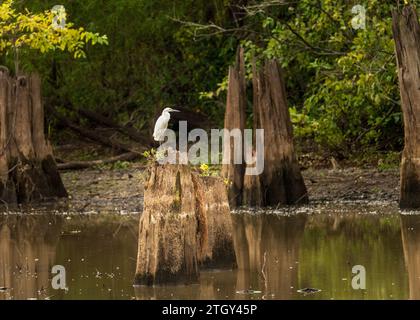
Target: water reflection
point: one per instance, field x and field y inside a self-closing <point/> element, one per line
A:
<point x="27" y="253"/>
<point x="277" y="255"/>
<point x="98" y="253"/>
<point x="410" y="230"/>
<point x="334" y="243"/>
<point x="267" y="248"/>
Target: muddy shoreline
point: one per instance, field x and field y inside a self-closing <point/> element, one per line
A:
<point x="121" y="190"/>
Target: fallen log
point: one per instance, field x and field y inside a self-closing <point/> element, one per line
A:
<point x="185" y="224"/>
<point x="406" y="31"/>
<point x="98" y="118"/>
<point x="78" y="165"/>
<point x="92" y="136"/>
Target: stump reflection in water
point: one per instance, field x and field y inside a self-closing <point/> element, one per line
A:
<point x="267" y="248"/>
<point x="27" y="253"/>
<point x="410" y="232"/>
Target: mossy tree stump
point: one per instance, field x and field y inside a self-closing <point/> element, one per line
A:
<point x="185" y="224"/>
<point x="27" y="168"/>
<point x="406" y="31"/>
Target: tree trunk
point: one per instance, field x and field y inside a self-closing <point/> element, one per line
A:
<point x="406" y="32"/>
<point x="185" y="223"/>
<point x="27" y="168"/>
<point x="281" y="181"/>
<point x="235" y="119"/>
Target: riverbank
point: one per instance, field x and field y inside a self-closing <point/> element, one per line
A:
<point x="121" y="190"/>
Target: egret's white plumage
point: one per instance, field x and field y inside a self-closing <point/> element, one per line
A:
<point x="162" y="124"/>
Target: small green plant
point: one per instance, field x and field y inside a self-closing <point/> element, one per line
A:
<point x="153" y="155"/>
<point x="227" y="182"/>
<point x="205" y="170"/>
<point x="391" y="160"/>
<point x="149" y="155"/>
<point x="121" y="165"/>
<point x="209" y="171"/>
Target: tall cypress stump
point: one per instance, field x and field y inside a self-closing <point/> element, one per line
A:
<point x="281" y="182"/>
<point x="27" y="168"/>
<point x="406" y="32"/>
<point x="185" y="225"/>
<point x="235" y="120"/>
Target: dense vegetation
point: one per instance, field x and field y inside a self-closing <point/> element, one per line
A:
<point x="342" y="82"/>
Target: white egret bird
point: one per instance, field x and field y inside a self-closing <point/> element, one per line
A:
<point x="162" y="124"/>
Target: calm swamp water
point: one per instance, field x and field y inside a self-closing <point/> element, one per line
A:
<point x="278" y="252"/>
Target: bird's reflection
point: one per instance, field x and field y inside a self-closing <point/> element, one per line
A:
<point x="27" y="253"/>
<point x="267" y="248"/>
<point x="410" y="230"/>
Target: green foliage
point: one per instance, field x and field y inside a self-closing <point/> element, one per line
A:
<point x="346" y="78"/>
<point x="152" y="59"/>
<point x="342" y="83"/>
<point x="119" y="165"/>
<point x="391" y="160"/>
<point x="27" y="30"/>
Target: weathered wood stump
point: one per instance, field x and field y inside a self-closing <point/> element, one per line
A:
<point x="281" y="181"/>
<point x="27" y="168"/>
<point x="215" y="225"/>
<point x="185" y="224"/>
<point x="406" y="31"/>
<point x="235" y="120"/>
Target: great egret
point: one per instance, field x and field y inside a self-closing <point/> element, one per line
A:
<point x="162" y="124"/>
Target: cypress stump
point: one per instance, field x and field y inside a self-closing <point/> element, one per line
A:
<point x="28" y="171"/>
<point x="281" y="181"/>
<point x="215" y="247"/>
<point x="235" y="120"/>
<point x="185" y="224"/>
<point x="406" y="31"/>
